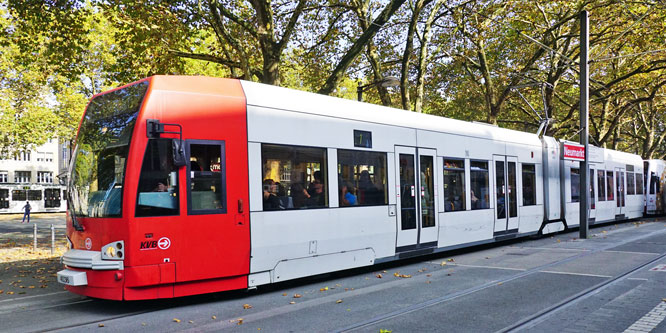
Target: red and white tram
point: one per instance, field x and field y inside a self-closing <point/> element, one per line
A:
<point x="189" y="185"/>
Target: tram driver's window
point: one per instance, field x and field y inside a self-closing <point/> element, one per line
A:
<point x="293" y="177"/>
<point x="207" y="193"/>
<point x="454" y="185"/>
<point x="478" y="174"/>
<point x="157" y="190"/>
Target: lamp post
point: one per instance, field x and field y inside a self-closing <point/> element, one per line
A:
<point x="389" y="81"/>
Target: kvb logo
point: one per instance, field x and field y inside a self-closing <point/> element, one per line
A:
<point x="163" y="244"/>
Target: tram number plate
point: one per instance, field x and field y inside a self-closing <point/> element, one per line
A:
<point x="64" y="279"/>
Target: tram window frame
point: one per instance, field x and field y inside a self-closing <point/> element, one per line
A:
<point x="601" y="185"/>
<point x="631" y="183"/>
<point x="454" y="170"/>
<point x="222" y="195"/>
<point x="640" y="186"/>
<point x="303" y="174"/>
<point x="155" y="177"/>
<point x="482" y="199"/>
<point x="531" y="189"/>
<point x="34" y="195"/>
<point x="575" y="188"/>
<point x="367" y="192"/>
<point x="19" y="195"/>
<point x="610" y="186"/>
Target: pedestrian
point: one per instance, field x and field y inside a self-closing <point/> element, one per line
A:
<point x="26" y="210"/>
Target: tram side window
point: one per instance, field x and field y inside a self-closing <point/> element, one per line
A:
<point x="654" y="183"/>
<point x="631" y="184"/>
<point x="51" y="197"/>
<point x="207" y="193"/>
<point x="293" y="177"/>
<point x="601" y="196"/>
<point x="529" y="185"/>
<point x="157" y="191"/>
<point x="34" y="195"/>
<point x="4" y="198"/>
<point x="19" y="195"/>
<point x="454" y="185"/>
<point x="610" y="188"/>
<point x="480" y="192"/>
<point x="639" y="184"/>
<point x="362" y="178"/>
<point x="575" y="185"/>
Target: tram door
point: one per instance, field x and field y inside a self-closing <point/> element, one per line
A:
<point x="416" y="198"/>
<point x="591" y="199"/>
<point x="620" y="192"/>
<point x="506" y="194"/>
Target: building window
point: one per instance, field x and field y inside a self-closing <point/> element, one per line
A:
<point x="575" y="185"/>
<point x="454" y="185"/>
<point x="362" y="177"/>
<point x="479" y="183"/>
<point x="41" y="157"/>
<point x="529" y="185"/>
<point x="609" y="186"/>
<point x="45" y="177"/>
<point x="21" y="176"/>
<point x="49" y="157"/>
<point x="639" y="184"/>
<point x="293" y="177"/>
<point x="4" y="177"/>
<point x="601" y="185"/>
<point x="22" y="156"/>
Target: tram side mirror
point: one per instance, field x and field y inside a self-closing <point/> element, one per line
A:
<point x="173" y="178"/>
<point x="178" y="153"/>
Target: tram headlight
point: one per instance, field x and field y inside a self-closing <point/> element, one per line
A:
<point x="113" y="251"/>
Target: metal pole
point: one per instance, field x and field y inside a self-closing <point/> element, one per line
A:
<point x="359" y="93"/>
<point x="52" y="239"/>
<point x="34" y="237"/>
<point x="584" y="133"/>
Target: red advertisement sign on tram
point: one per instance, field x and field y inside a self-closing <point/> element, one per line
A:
<point x="573" y="152"/>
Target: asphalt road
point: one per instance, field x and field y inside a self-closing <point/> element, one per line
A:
<point x="551" y="284"/>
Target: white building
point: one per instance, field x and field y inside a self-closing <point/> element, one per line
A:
<point x="33" y="175"/>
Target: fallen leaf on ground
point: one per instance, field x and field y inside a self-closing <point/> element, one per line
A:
<point x="292" y="302"/>
<point x="338" y="301"/>
<point x="247" y="306"/>
<point x="298" y="295"/>
<point x="379" y="276"/>
<point x="214" y="317"/>
<point x="284" y="294"/>
<point x="100" y="325"/>
<point x="323" y="289"/>
<point x="443" y="263"/>
<point x="191" y="322"/>
<point x="176" y="320"/>
<point x="450" y="260"/>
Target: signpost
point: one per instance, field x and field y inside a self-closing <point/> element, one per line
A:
<point x="584" y="131"/>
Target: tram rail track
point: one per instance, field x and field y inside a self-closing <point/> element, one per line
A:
<point x="523" y="323"/>
<point x="531" y="319"/>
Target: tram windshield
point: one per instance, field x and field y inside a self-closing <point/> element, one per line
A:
<point x="98" y="170"/>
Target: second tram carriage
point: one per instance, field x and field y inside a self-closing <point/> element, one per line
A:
<point x="188" y="185"/>
<point x="43" y="198"/>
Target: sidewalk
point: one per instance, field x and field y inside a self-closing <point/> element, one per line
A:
<point x="24" y="271"/>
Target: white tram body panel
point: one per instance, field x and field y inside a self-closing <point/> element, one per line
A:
<point x="655" y="179"/>
<point x="288" y="244"/>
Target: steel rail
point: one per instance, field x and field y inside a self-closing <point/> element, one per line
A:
<point x="493" y="283"/>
